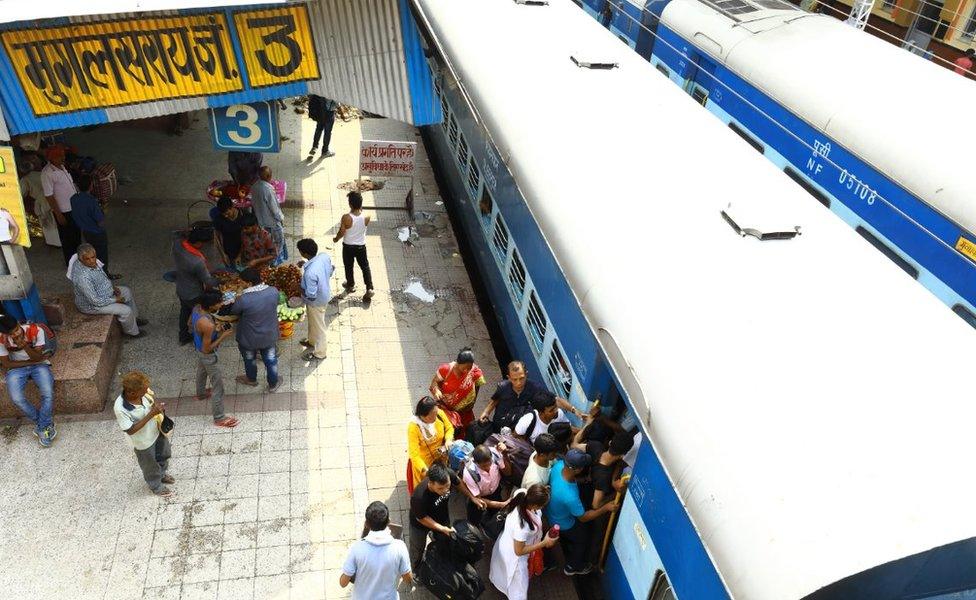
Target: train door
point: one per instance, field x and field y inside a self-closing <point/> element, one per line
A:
<point x="699" y="79"/>
<point x="650" y="17"/>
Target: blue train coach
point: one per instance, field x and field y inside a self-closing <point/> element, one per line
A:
<point x="846" y="115"/>
<point x="804" y="406"/>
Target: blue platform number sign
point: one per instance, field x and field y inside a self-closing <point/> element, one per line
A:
<point x="248" y="127"/>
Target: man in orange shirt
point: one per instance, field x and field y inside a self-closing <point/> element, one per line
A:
<point x="965" y="62"/>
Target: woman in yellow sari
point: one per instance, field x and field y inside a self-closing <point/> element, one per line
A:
<point x="428" y="436"/>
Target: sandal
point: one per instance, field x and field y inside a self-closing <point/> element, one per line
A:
<point x="243" y="380"/>
<point x="165" y="493"/>
<point x="168" y="479"/>
<point x="228" y="422"/>
<point x="306" y="343"/>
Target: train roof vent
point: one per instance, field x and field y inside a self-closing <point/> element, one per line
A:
<point x="764" y="229"/>
<point x="532" y="2"/>
<point x="593" y="64"/>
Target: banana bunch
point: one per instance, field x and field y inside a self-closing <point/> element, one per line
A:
<point x="285" y="313"/>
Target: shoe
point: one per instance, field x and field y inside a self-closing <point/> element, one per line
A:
<point x="164" y="492"/>
<point x="274" y="388"/>
<point x="141" y="334"/>
<point x="43" y="438"/>
<point x="328" y="154"/>
<point x="309" y="356"/>
<point x="311" y="155"/>
<point x="306" y="343"/>
<point x="349" y="287"/>
<point x="142" y="322"/>
<point x="243" y="380"/>
<point x="228" y="422"/>
<point x="52" y="432"/>
<point x="368" y="296"/>
<point x="168" y="479"/>
<point x="584" y="571"/>
<point x="114" y="276"/>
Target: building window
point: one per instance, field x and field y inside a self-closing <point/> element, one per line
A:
<point x="558" y="371"/>
<point x="485" y="207"/>
<point x="499" y="239"/>
<point x="474" y="177"/>
<point x="516" y="277"/>
<point x="970" y="30"/>
<point x="536" y="320"/>
<point x="462" y="152"/>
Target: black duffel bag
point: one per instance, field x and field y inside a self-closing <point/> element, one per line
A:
<point x="467" y="543"/>
<point x="478" y="432"/>
<point x="447" y="578"/>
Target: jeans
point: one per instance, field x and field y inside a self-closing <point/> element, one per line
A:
<point x="418" y="543"/>
<point x="270" y="358"/>
<point x="127" y="313"/>
<point x="352" y="253"/>
<point x="16" y="382"/>
<point x="153" y="461"/>
<point x="100" y="242"/>
<point x="186" y="309"/>
<point x="208" y="368"/>
<point x="70" y="237"/>
<point x="278" y="237"/>
<point x="324" y="129"/>
<point x="575" y="543"/>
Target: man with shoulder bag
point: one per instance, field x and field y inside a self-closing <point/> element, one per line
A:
<point x="148" y="429"/>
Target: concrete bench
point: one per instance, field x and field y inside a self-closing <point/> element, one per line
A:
<point x="83" y="367"/>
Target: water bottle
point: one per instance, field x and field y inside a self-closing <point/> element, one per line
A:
<point x="554" y="532"/>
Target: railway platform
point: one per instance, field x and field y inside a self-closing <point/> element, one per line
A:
<point x="269" y="509"/>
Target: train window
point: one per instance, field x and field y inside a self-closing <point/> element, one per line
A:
<point x="447" y="113"/>
<point x="536" y="320"/>
<point x="462" y="152"/>
<point x="485" y="207"/>
<point x="700" y="95"/>
<point x="452" y="131"/>
<point x="894" y="256"/>
<point x="744" y="135"/>
<point x="661" y="590"/>
<point x="474" y="176"/>
<point x="663" y="70"/>
<point x="558" y="371"/>
<point x="809" y="187"/>
<point x="516" y="277"/>
<point x="966" y="314"/>
<point x="499" y="239"/>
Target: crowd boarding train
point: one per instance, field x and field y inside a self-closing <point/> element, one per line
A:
<point x="805" y="408"/>
<point x="848" y="116"/>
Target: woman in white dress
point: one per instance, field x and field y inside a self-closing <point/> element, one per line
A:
<point x="521" y="537"/>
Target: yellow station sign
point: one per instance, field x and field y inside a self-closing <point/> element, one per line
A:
<point x="11" y="199"/>
<point x="128" y="61"/>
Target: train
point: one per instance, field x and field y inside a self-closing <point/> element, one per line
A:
<point x="803" y="406"/>
<point x="843" y="113"/>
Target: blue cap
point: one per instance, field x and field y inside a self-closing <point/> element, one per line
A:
<point x="577" y="459"/>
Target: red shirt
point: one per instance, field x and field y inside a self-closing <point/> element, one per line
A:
<point x="256" y="245"/>
<point x="963" y="64"/>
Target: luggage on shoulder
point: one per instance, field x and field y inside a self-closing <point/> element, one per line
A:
<point x="448" y="578"/>
<point x="518" y="452"/>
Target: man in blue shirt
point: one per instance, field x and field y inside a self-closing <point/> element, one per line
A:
<point x="87" y="214"/>
<point x="566" y="510"/>
<point x="316" y="292"/>
<point x="376" y="563"/>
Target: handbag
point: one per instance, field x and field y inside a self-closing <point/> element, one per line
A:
<point x="165" y="424"/>
<point x="536" y="563"/>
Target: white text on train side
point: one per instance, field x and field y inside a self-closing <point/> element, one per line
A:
<point x="860" y="189"/>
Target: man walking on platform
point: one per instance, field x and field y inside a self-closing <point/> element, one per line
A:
<point x="58" y="189"/>
<point x="322" y="111"/>
<point x="352" y="227"/>
<point x="264" y="203"/>
<point x="316" y="292"/>
<point x="377" y="562"/>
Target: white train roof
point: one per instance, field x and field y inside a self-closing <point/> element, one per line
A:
<point x="906" y="116"/>
<point x="810" y="402"/>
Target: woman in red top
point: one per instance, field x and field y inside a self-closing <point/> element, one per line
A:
<point x="455" y="387"/>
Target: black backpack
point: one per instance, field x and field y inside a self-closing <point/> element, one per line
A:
<point x="467" y="542"/>
<point x="447" y="577"/>
<point x="478" y="432"/>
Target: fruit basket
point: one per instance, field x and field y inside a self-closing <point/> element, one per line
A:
<point x="241" y="194"/>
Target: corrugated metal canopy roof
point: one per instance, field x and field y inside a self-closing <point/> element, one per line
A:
<point x="27" y="10"/>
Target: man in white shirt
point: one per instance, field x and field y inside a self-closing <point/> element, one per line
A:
<point x="544" y="413"/>
<point x="139" y="416"/>
<point x="58" y="188"/>
<point x="376" y="563"/>
<point x="23" y="358"/>
<point x="537" y="471"/>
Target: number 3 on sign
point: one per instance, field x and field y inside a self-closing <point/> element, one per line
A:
<point x="248" y="122"/>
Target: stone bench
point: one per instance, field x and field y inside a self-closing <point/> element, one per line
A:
<point x="83" y="366"/>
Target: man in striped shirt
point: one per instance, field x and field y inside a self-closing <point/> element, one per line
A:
<point x="95" y="294"/>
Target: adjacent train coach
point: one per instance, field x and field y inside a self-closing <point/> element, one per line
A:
<point x="846" y="115"/>
<point x="805" y="407"/>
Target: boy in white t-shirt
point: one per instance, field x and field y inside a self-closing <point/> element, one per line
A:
<point x="22" y="357"/>
<point x="537" y="471"/>
<point x="544" y="413"/>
